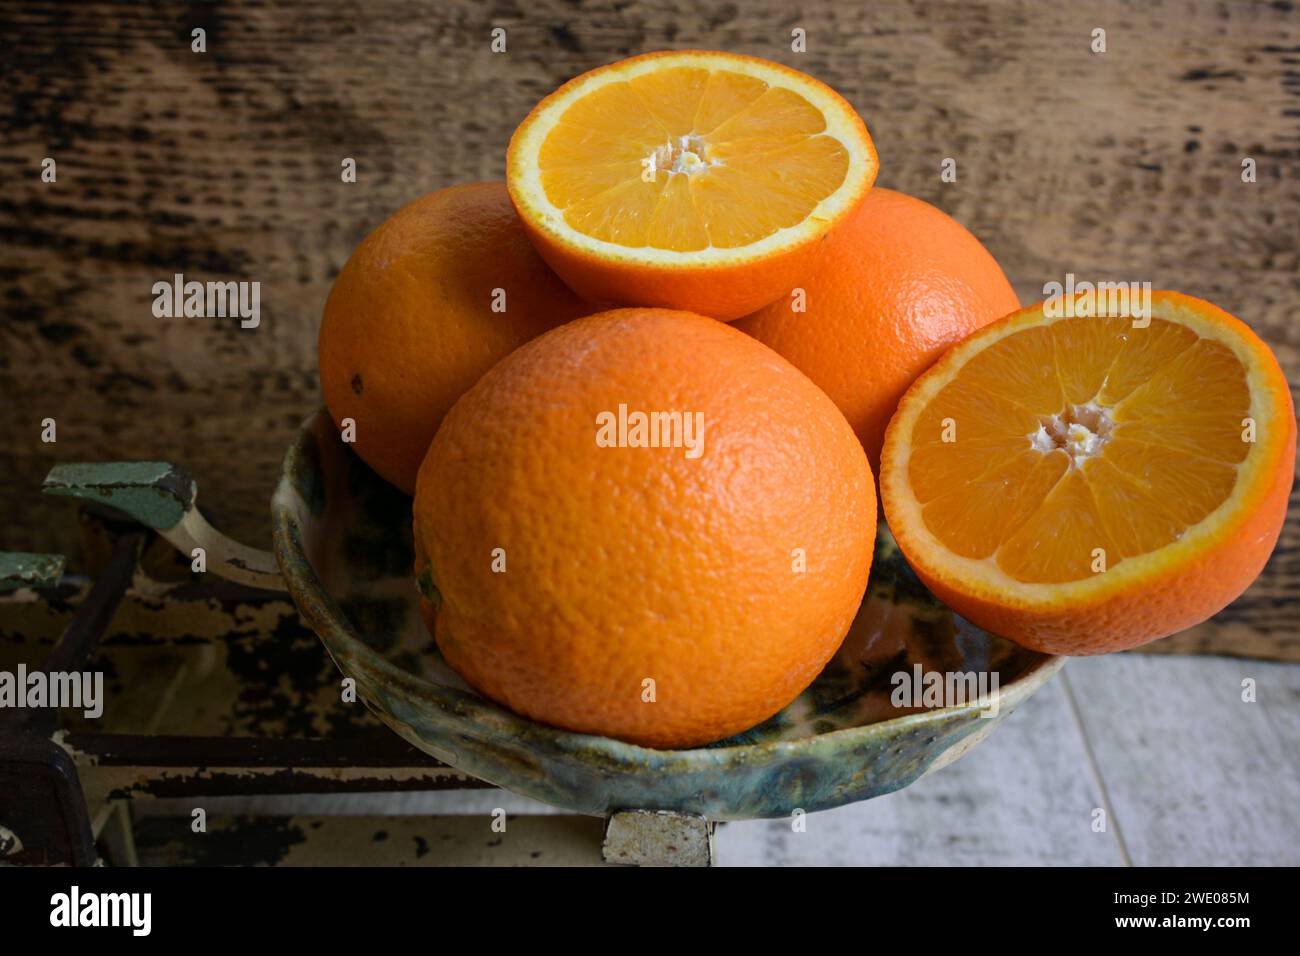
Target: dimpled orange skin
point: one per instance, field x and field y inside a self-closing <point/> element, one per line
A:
<point x="409" y="324"/>
<point x="897" y="284"/>
<point x="628" y="564"/>
<point x="724" y="294"/>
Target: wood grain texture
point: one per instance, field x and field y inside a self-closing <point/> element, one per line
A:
<point x="371" y="841"/>
<point x="225" y="166"/>
<point x="1196" y="776"/>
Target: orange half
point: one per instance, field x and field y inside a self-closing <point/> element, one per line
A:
<point x="1087" y="484"/>
<point x="692" y="180"/>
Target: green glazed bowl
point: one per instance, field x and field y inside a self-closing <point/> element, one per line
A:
<point x="343" y="543"/>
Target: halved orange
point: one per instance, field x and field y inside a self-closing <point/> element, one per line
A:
<point x="691" y="180"/>
<point x="1082" y="485"/>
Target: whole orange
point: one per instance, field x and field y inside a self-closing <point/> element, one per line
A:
<point x="668" y="584"/>
<point x="425" y="305"/>
<point x="897" y="285"/>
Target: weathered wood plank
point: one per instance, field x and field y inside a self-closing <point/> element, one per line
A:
<point x="225" y="165"/>
<point x="1196" y="776"/>
<point x="370" y="841"/>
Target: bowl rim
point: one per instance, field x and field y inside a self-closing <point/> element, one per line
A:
<point x="466" y="708"/>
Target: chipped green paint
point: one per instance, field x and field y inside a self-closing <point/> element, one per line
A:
<point x="19" y="569"/>
<point x="155" y="493"/>
<point x="842" y="740"/>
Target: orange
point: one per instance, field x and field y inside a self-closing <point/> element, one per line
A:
<point x="897" y="285"/>
<point x="691" y="180"/>
<point x="670" y="595"/>
<point x="426" y="304"/>
<point x="1083" y="485"/>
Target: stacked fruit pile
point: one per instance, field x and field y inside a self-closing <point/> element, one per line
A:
<point x="652" y="524"/>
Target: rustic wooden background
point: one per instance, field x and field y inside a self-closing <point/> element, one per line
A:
<point x="225" y="165"/>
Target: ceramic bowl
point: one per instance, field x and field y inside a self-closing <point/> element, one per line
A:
<point x="343" y="543"/>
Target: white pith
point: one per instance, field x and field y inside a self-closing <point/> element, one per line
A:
<point x="685" y="157"/>
<point x="1081" y="431"/>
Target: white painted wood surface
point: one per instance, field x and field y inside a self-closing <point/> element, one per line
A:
<point x="1024" y="796"/>
<point x="1189" y="775"/>
<point x="1196" y="775"/>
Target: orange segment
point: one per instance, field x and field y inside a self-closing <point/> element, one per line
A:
<point x="790" y="180"/>
<point x="1056" y="541"/>
<point x="676" y="221"/>
<point x="1194" y="404"/>
<point x="965" y="412"/>
<point x="1021" y="370"/>
<point x="727" y="94"/>
<point x="611" y="125"/>
<point x="580" y="183"/>
<point x="1142" y="356"/>
<point x="1191" y="487"/>
<point x="1136" y="520"/>
<point x="620" y="214"/>
<point x="777" y="119"/>
<point x="672" y="97"/>
<point x="975" y="513"/>
<point x="689" y="179"/>
<point x="1050" y="472"/>
<point x="1083" y="355"/>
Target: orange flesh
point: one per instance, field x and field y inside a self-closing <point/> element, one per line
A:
<point x="734" y="160"/>
<point x="1083" y="434"/>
